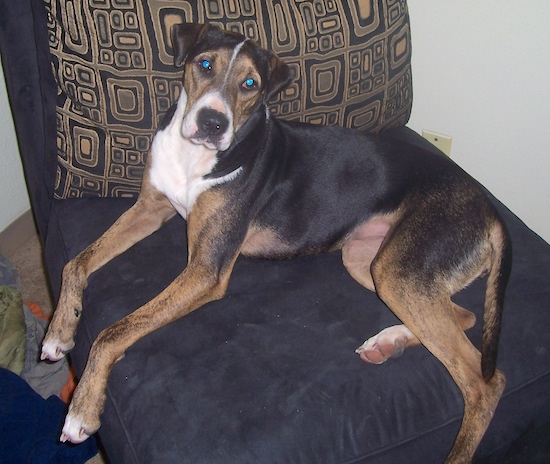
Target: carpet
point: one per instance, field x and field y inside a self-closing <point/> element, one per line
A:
<point x="35" y="288"/>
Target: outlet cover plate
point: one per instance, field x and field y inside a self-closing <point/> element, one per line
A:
<point x="441" y="141"/>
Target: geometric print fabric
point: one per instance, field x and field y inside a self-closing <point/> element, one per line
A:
<point x="113" y="62"/>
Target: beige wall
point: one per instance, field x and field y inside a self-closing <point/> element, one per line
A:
<point x="481" y="73"/>
<point x="14" y="200"/>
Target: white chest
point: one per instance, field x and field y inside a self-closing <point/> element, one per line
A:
<point x="178" y="166"/>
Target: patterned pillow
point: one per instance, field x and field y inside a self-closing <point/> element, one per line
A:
<point x="113" y="62"/>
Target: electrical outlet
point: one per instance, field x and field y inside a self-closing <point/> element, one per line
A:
<point x="443" y="142"/>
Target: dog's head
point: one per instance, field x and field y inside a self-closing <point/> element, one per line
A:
<point x="225" y="77"/>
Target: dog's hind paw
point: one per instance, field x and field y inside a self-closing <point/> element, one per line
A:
<point x="389" y="343"/>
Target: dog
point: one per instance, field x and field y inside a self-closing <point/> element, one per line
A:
<point x="411" y="225"/>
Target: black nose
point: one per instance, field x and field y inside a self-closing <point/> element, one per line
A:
<point x="212" y="122"/>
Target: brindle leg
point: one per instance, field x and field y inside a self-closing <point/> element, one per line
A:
<point x="435" y="324"/>
<point x="439" y="325"/>
<point x="212" y="254"/>
<point x="197" y="285"/>
<point x="147" y="215"/>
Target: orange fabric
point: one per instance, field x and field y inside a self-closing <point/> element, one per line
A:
<point x="68" y="389"/>
<point x="37" y="311"/>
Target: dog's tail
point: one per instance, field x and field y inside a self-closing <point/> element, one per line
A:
<point x="499" y="273"/>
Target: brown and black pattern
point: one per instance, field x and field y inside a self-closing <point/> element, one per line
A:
<point x="113" y="62"/>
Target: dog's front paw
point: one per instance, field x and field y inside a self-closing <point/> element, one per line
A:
<point x="389" y="343"/>
<point x="59" y="339"/>
<point x="83" y="420"/>
<point x="54" y="350"/>
<point x="76" y="430"/>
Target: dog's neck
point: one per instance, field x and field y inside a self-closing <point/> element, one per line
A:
<point x="179" y="167"/>
<point x="244" y="144"/>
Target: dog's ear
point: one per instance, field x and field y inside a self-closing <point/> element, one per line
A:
<point x="279" y="78"/>
<point x="184" y="35"/>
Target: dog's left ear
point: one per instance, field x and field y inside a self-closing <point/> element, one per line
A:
<point x="279" y="78"/>
<point x="183" y="37"/>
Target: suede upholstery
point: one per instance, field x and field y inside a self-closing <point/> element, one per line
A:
<point x="268" y="374"/>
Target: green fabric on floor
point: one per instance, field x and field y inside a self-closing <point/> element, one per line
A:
<point x="12" y="330"/>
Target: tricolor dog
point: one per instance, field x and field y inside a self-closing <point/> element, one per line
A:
<point x="411" y="225"/>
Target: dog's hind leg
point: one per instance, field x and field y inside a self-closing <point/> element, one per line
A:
<point x="357" y="255"/>
<point x="427" y="311"/>
<point x="149" y="212"/>
<point x="392" y="341"/>
<point x="436" y="326"/>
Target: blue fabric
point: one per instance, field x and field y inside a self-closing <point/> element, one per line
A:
<point x="30" y="427"/>
<point x="269" y="375"/>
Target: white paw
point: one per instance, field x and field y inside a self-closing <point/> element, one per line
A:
<point x="74" y="430"/>
<point x="53" y="350"/>
<point x="389" y="343"/>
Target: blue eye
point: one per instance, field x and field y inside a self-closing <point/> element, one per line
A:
<point x="206" y="65"/>
<point x="249" y="83"/>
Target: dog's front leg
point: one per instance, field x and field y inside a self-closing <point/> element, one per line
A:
<point x="213" y="249"/>
<point x="149" y="212"/>
<point x="194" y="287"/>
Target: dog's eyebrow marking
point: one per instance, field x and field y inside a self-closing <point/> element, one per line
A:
<point x="236" y="51"/>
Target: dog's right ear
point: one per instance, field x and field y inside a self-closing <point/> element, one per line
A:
<point x="184" y="35"/>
